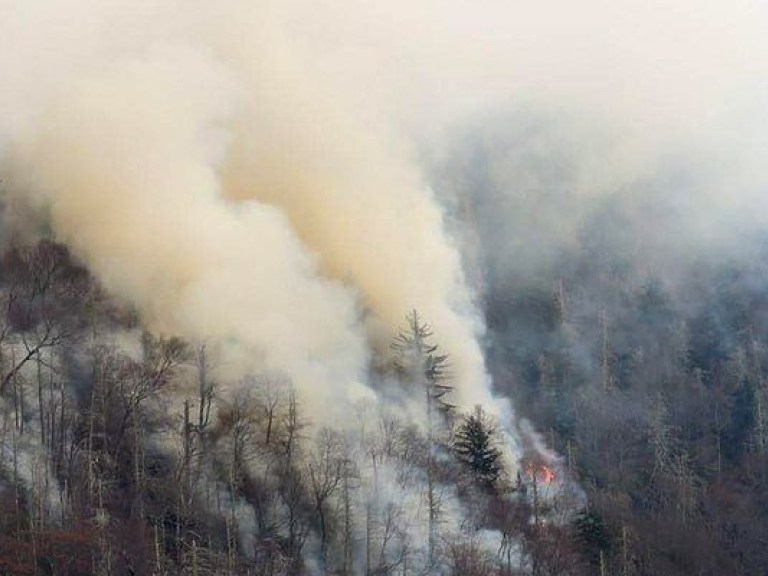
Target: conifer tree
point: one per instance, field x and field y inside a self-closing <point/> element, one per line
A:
<point x="474" y="444"/>
<point x="418" y="362"/>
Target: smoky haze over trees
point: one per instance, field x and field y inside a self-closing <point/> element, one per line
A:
<point x="123" y="453"/>
<point x="634" y="338"/>
<point x="346" y="287"/>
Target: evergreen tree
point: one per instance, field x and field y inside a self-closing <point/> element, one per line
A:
<point x="418" y="362"/>
<point x="474" y="444"/>
<point x="593" y="535"/>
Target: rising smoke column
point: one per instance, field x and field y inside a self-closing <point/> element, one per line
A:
<point x="131" y="186"/>
<point x="247" y="171"/>
<point x="207" y="176"/>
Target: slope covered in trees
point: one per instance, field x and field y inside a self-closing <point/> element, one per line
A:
<point x="126" y="453"/>
<point x="654" y="388"/>
<point x="627" y="317"/>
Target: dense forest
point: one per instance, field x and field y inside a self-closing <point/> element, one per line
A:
<point x="636" y="346"/>
<point x="122" y="454"/>
<point x="634" y="335"/>
<point x="658" y="400"/>
<point x="343" y="288"/>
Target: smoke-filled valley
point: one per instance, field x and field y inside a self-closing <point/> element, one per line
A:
<point x="421" y="288"/>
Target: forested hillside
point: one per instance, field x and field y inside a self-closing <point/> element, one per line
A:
<point x="122" y="453"/>
<point x="630" y="324"/>
<point x="645" y="366"/>
<point x="344" y="288"/>
<point x="658" y="399"/>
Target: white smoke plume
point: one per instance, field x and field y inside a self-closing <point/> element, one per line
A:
<point x="249" y="173"/>
<point x="139" y="128"/>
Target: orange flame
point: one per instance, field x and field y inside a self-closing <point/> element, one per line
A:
<point x="541" y="473"/>
<point x="548" y="474"/>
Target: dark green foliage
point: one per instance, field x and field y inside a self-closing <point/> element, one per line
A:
<point x="593" y="534"/>
<point x="475" y="446"/>
<point x="742" y="419"/>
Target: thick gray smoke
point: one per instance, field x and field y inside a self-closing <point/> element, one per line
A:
<point x="249" y="172"/>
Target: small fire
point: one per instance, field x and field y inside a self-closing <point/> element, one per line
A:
<point x="541" y="473"/>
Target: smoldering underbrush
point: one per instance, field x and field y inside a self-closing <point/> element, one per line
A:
<point x="124" y="451"/>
